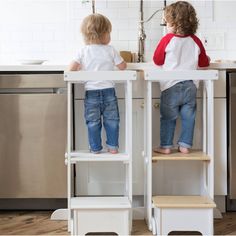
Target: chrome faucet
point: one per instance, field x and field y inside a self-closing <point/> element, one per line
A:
<point x="141" y="34"/>
<point x="93" y="4"/>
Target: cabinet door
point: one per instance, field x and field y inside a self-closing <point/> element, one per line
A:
<point x="220" y="85"/>
<point x="220" y="152"/>
<point x="138" y="133"/>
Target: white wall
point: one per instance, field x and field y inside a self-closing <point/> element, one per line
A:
<point x="49" y="29"/>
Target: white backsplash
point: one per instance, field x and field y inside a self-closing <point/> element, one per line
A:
<point x="49" y="29"/>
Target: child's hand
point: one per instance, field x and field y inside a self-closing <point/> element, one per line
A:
<point x="122" y="65"/>
<point x="74" y="66"/>
<point x="209" y="59"/>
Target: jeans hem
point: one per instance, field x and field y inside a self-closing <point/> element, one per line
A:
<point x="95" y="150"/>
<point x="185" y="145"/>
<point x="166" y="146"/>
<point x="112" y="147"/>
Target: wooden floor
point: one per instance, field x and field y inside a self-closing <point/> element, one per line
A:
<point x="39" y="223"/>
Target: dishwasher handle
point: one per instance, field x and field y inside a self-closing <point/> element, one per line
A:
<point x="60" y="90"/>
<point x="32" y="91"/>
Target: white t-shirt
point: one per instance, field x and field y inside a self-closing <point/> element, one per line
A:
<point x="175" y="52"/>
<point x="97" y="57"/>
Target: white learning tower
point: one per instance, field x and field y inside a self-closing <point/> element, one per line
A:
<point x="88" y="214"/>
<point x="166" y="213"/>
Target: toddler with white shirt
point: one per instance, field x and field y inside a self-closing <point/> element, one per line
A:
<point x="101" y="106"/>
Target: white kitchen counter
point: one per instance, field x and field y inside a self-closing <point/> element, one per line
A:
<point x="32" y="68"/>
<point x="215" y="65"/>
<point x="132" y="66"/>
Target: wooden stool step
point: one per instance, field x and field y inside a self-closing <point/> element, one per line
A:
<point x="183" y="213"/>
<point x="194" y="155"/>
<point x="183" y="202"/>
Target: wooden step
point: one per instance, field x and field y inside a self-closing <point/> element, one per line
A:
<point x="194" y="155"/>
<point x="183" y="202"/>
<point x="103" y="156"/>
<point x="100" y="202"/>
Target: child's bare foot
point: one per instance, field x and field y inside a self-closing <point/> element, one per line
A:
<point x="162" y="150"/>
<point x="183" y="150"/>
<point x="112" y="151"/>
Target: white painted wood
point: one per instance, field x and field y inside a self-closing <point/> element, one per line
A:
<point x="148" y="153"/>
<point x="100" y="203"/>
<point x="85" y="155"/>
<point x="217" y="213"/>
<point x="107" y="221"/>
<point x="210" y="136"/>
<point x="112" y="214"/>
<point x="162" y="75"/>
<point x="60" y="214"/>
<point x="187" y="216"/>
<point x="82" y="76"/>
<point x="189" y="219"/>
<point x="69" y="148"/>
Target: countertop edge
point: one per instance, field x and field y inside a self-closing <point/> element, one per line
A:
<point x="130" y="66"/>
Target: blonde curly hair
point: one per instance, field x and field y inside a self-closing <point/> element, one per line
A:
<point x="94" y="28"/>
<point x="182" y="17"/>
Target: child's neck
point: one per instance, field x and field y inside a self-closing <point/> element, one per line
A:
<point x="96" y="43"/>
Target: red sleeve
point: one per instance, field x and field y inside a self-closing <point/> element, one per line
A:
<point x="159" y="54"/>
<point x="203" y="59"/>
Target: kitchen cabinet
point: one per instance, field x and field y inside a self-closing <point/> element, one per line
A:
<point x="220" y="152"/>
<point x="220" y="136"/>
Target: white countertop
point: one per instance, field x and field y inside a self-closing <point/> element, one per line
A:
<point x="33" y="67"/>
<point x="131" y="66"/>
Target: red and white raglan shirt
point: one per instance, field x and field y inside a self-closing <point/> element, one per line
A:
<point x="175" y="52"/>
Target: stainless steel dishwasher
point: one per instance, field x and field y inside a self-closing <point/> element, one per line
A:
<point x="32" y="141"/>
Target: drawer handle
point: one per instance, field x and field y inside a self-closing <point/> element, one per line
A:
<point x="156" y="105"/>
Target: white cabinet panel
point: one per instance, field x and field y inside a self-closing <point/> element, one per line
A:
<point x="138" y="160"/>
<point x="220" y="85"/>
<point x="220" y="151"/>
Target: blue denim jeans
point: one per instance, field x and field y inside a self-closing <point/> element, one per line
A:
<point x="179" y="100"/>
<point x="101" y="106"/>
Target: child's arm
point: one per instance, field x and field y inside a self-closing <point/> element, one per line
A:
<point x="74" y="66"/>
<point x="160" y="52"/>
<point x="122" y="65"/>
<point x="203" y="59"/>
